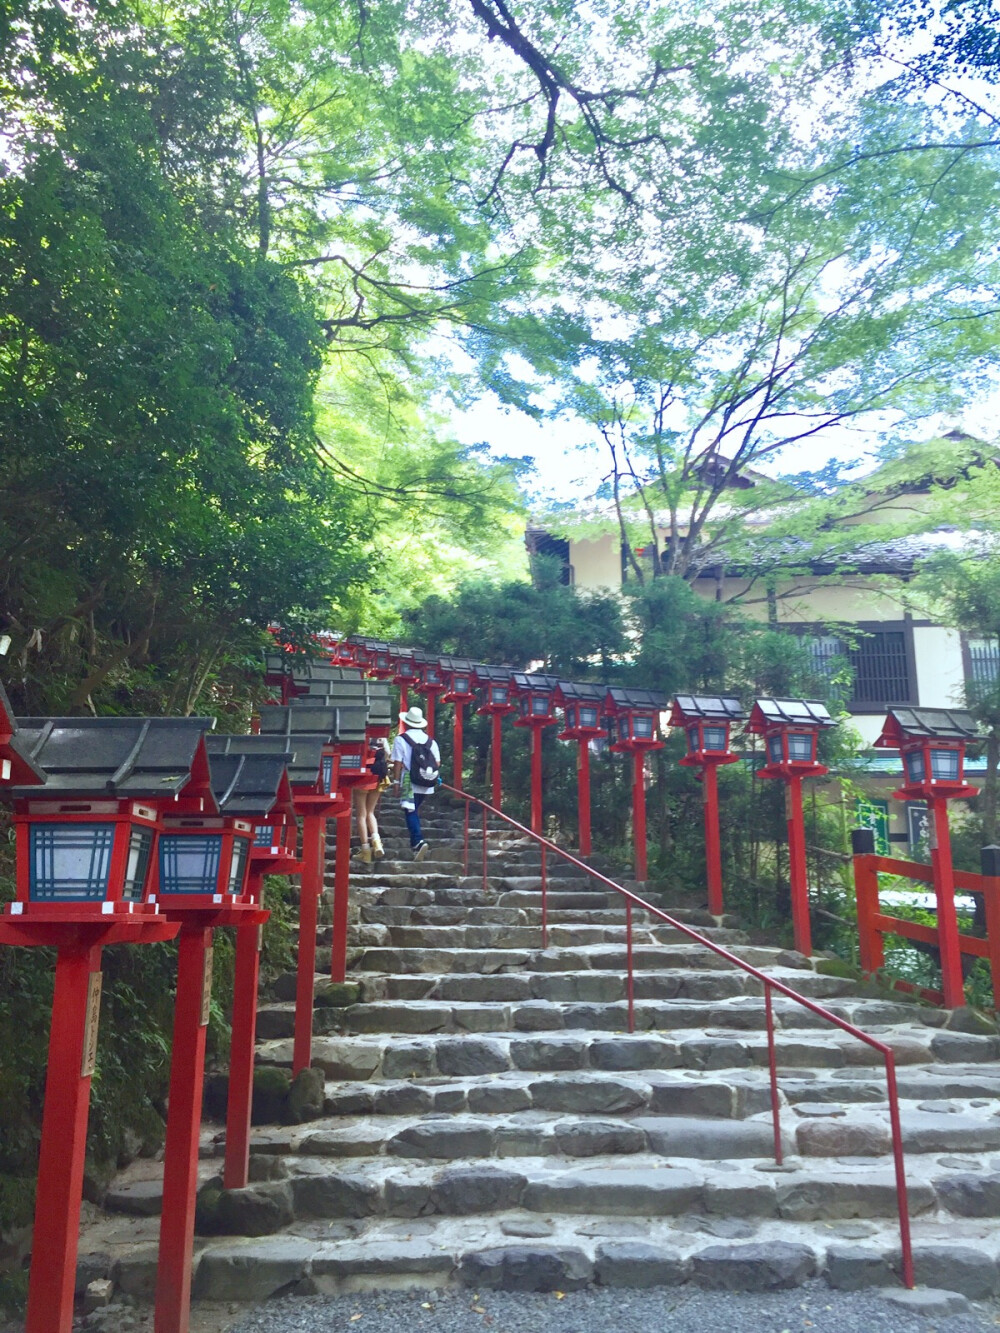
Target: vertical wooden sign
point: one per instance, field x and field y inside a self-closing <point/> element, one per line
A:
<point x="93" y="1019"/>
<point x="206" y="988"/>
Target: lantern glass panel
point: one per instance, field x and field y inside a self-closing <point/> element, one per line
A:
<point x="432" y="676"/>
<point x="525" y="705"/>
<point x="944" y="764"/>
<point x="189" y="862"/>
<point x="327" y="773"/>
<point x="539" y="705"/>
<point x="588" y="717"/>
<point x="70" y="862"/>
<point x="498" y="694"/>
<point x="915" y="765"/>
<point x="239" y="857"/>
<point x="264" y="835"/>
<point x="140" y="847"/>
<point x="692" y="735"/>
<point x="642" y="727"/>
<point x="775" y="752"/>
<point x="800" y="746"/>
<point x="713" y="738"/>
<point x="382" y="661"/>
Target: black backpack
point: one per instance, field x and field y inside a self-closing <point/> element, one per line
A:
<point x="380" y="762"/>
<point x="424" y="768"/>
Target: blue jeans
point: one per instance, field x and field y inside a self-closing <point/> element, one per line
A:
<point x="413" y="818"/>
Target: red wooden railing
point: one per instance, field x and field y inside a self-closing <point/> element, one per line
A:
<point x="874" y="924"/>
<point x="769" y="984"/>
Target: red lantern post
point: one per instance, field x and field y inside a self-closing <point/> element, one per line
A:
<point x="430" y="683"/>
<point x="86" y="841"/>
<point x="493" y="683"/>
<point x="932" y="743"/>
<point x="790" y="728"/>
<point x="535" y="695"/>
<point x="706" y="720"/>
<point x="581" y="705"/>
<point x="633" y="717"/>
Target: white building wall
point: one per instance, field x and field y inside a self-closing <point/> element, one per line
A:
<point x="940" y="671"/>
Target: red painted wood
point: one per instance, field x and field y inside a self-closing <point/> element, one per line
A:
<point x="311" y="885"/>
<point x="713" y="847"/>
<point x="341" y="897"/>
<point x="64" y="1138"/>
<point x="496" y="759"/>
<point x="429" y="711"/>
<point x="458" y="744"/>
<point x="583" y="793"/>
<point x="639" y="814"/>
<point x="952" y="983"/>
<point x="536" y="779"/>
<point x="870" y="949"/>
<point x="241" y="1055"/>
<point x="180" y="1156"/>
<point x="797" y="872"/>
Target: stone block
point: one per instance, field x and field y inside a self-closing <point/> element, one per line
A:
<point x="98" y="1294"/>
<point x="336" y="994"/>
<point x="708" y="1053"/>
<point x="412" y="1059"/>
<point x="588" y="1095"/>
<point x="468" y="1056"/>
<point x="403" y="1099"/>
<point x="927" y="1131"/>
<point x="406" y="1198"/>
<point x="656" y="1192"/>
<point x="956" y="1268"/>
<point x="135" y="1272"/>
<point x="265" y="1166"/>
<point x="335" y="1195"/>
<point x="969" y="1194"/>
<point x="251" y="1272"/>
<point x="963" y="1048"/>
<point x="449" y="1100"/>
<point x="740" y="1196"/>
<point x="256" y="1210"/>
<point x="595" y="1138"/>
<point x="762" y="1266"/>
<point x="498" y="1099"/>
<point x="346" y="1060"/>
<point x="446" y="1139"/>
<point x="305" y="1097"/>
<point x="538" y="1016"/>
<point x="348" y="1101"/>
<point x="463" y="1191"/>
<point x="635" y="1264"/>
<point x="722" y="1140"/>
<point x="855" y="1267"/>
<point x="524" y="1268"/>
<point x="928" y="1303"/>
<point x="549" y="1053"/>
<point x="142" y="1198"/>
<point x="623" y="1054"/>
<point x="390" y="1257"/>
<point x="714" y="1100"/>
<point x="91" y="1268"/>
<point x="871" y="1194"/>
<point x="842" y="1138"/>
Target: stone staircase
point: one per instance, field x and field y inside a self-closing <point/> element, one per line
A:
<point x="488" y="1120"/>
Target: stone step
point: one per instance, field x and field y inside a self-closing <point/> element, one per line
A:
<point x="643" y="1056"/>
<point x="686" y="957"/>
<point x="411" y="1183"/>
<point x="524" y="936"/>
<point x="521" y="1251"/>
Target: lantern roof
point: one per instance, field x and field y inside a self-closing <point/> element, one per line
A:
<point x="571" y="692"/>
<point x="944" y="724"/>
<point x="14" y="747"/>
<point x="251" y="785"/>
<point x="460" y="664"/>
<point x="491" y="675"/>
<point x="143" y="757"/>
<point x="306" y="718"/>
<point x="620" y="700"/>
<point x="533" y="682"/>
<point x="711" y="707"/>
<point x="789" y="712"/>
<point x="302" y="754"/>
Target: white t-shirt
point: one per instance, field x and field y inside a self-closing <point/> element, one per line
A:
<point x="401" y="751"/>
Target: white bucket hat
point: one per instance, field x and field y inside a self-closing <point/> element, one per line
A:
<point x="414" y="718"/>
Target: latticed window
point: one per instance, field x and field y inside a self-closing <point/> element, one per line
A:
<point x="70" y="862"/>
<point x="880" y="667"/>
<point x="984" y="665"/>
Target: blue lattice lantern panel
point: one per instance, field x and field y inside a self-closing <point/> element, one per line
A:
<point x="634" y="718"/>
<point x="534" y="695"/>
<point x="87" y="835"/>
<point x="790" y="729"/>
<point x="706" y="720"/>
<point x="202" y="863"/>
<point x="405" y="667"/>
<point x="932" y="743"/>
<point x="582" y="706"/>
<point x="252" y="782"/>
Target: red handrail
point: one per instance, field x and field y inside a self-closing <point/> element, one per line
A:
<point x="769" y="984"/>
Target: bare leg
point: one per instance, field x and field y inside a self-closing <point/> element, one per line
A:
<point x="361" y="822"/>
<point x="371" y="805"/>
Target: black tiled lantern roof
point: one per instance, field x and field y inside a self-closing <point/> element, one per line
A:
<point x="620" y="698"/>
<point x="951" y="724"/>
<point x="715" y="707"/>
<point x="582" y="692"/>
<point x="247" y="784"/>
<point x="808" y="712"/>
<point x="302" y="754"/>
<point x="309" y="720"/>
<point x="533" y="680"/>
<point x="142" y="757"/>
<point x="491" y="675"/>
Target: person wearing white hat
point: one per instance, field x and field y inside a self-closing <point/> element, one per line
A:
<point x="416" y="771"/>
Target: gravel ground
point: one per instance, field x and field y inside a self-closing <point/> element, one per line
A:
<point x="594" y="1310"/>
